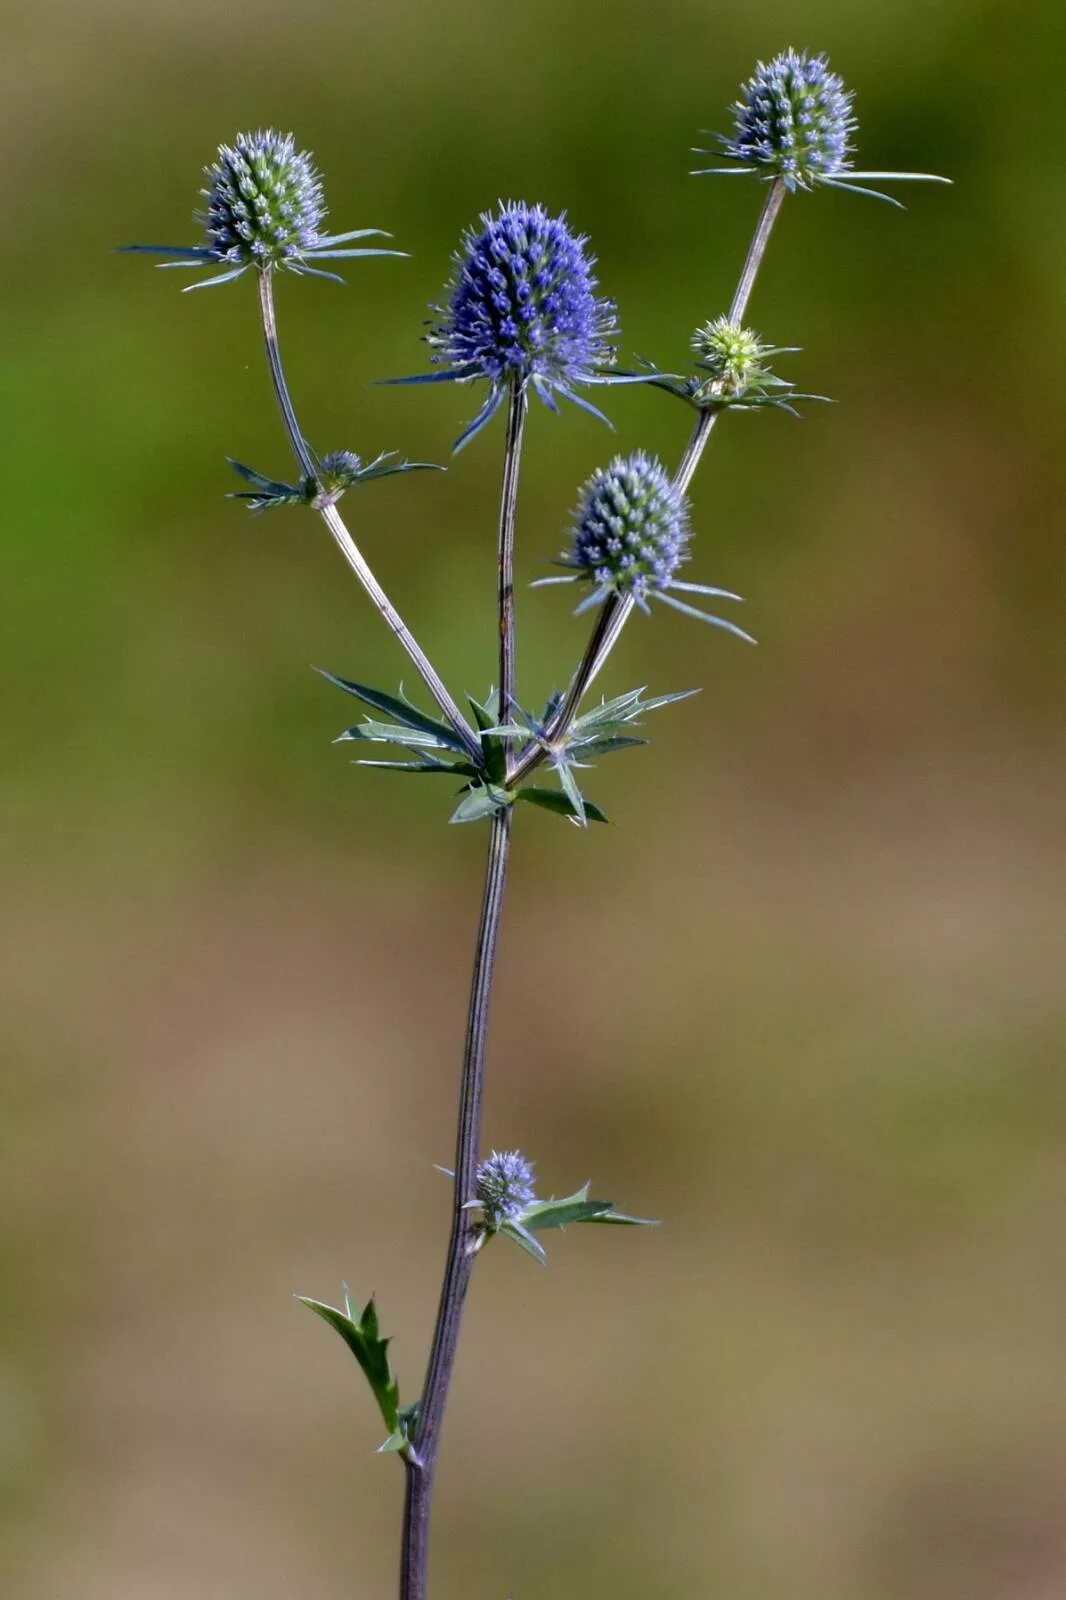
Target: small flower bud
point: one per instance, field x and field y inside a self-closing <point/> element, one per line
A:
<point x="732" y="355"/>
<point x="264" y="201"/>
<point x="504" y="1186"/>
<point x="630" y="527"/>
<point x="794" y="117"/>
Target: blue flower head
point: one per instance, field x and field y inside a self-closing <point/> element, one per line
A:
<point x="794" y="122"/>
<point x="265" y="209"/>
<point x="793" y="117"/>
<point x="522" y="308"/>
<point x="630" y="537"/>
<point x="504" y="1186"/>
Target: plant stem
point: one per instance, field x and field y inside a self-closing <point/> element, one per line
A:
<point x="617" y="609"/>
<point x="343" y="539"/>
<point x="421" y="1462"/>
<point x="512" y="461"/>
<point x="757" y="249"/>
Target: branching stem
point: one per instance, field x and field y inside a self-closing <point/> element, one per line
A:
<point x="343" y="539"/>
<point x="616" y="610"/>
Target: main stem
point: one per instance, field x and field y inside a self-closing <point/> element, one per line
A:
<point x="617" y="609"/>
<point x="327" y="510"/>
<point x="512" y="461"/>
<point x="421" y="1459"/>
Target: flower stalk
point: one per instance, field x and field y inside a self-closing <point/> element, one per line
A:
<point x="347" y="546"/>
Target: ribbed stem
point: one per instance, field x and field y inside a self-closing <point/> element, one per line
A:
<point x="512" y="462"/>
<point x="343" y="539"/>
<point x="421" y="1463"/>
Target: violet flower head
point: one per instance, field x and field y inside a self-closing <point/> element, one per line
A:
<point x="794" y="123"/>
<point x="523" y="309"/>
<point x="504" y="1186"/>
<point x="264" y="209"/>
<point x="630" y="537"/>
<point x="793" y="118"/>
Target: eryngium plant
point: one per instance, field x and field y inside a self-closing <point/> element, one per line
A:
<point x="523" y="315"/>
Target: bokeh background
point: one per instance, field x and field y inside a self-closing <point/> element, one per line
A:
<point x="804" y="1000"/>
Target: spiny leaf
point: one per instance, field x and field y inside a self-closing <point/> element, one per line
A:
<point x="525" y="1241"/>
<point x="361" y="1335"/>
<point x="493" y="746"/>
<point x="552" y="800"/>
<point x="482" y="801"/>
<point x="403" y="712"/>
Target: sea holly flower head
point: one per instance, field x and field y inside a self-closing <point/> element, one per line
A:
<point x="793" y="122"/>
<point x="504" y="1186"/>
<point x="793" y="118"/>
<point x="523" y="308"/>
<point x="264" y="209"/>
<point x="630" y="536"/>
<point x="630" y="528"/>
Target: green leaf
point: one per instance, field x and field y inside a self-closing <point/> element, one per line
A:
<point x="494" y="749"/>
<point x="577" y="1207"/>
<point x="605" y="746"/>
<point x="480" y="802"/>
<point x="362" y="1337"/>
<point x="459" y="769"/>
<point x="543" y="1214"/>
<point x="409" y="715"/>
<point x="393" y="733"/>
<point x="572" y="792"/>
<point x="525" y="1241"/>
<point x="552" y="800"/>
<point x="620" y="1219"/>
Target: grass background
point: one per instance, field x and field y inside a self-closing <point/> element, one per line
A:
<point x="804" y="1001"/>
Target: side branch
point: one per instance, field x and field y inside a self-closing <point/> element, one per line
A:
<point x="343" y="539"/>
<point x="617" y="609"/>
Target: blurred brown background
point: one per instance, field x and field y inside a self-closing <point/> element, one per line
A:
<point x="803" y="1001"/>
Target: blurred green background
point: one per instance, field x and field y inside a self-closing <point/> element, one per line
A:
<point x="804" y="1001"/>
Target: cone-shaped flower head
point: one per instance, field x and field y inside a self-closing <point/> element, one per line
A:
<point x="522" y="308"/>
<point x="794" y="117"/>
<point x="793" y="122"/>
<point x="504" y="1186"/>
<point x="265" y="209"/>
<point x="264" y="201"/>
<point x="630" y="527"/>
<point x="630" y="536"/>
<point x="523" y="302"/>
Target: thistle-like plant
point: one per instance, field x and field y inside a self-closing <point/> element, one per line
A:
<point x="523" y="314"/>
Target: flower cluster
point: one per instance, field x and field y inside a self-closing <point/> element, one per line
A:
<point x="794" y="117"/>
<point x="629" y="537"/>
<point x="265" y="209"/>
<point x="264" y="201"/>
<point x="504" y="1186"/>
<point x="630" y="528"/>
<point x="793" y="122"/>
<point x="523" y="309"/>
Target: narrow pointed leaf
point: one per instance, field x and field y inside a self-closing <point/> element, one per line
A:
<point x="362" y="1337"/>
<point x="525" y="1241"/>
<point x="552" y="800"/>
<point x="491" y="743"/>
<point x="400" y="709"/>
